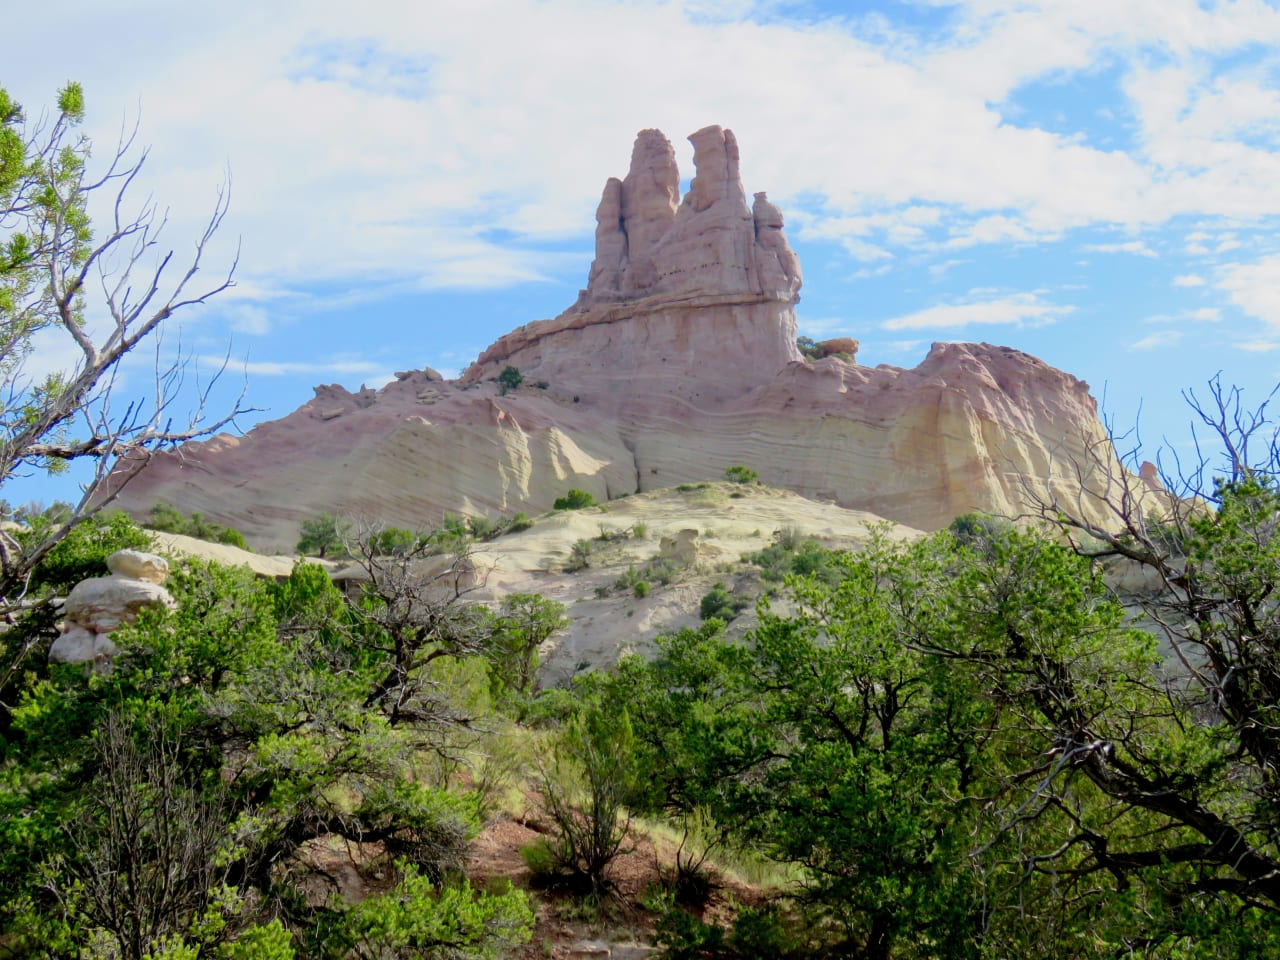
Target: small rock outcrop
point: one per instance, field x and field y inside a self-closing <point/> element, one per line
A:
<point x="96" y="607"/>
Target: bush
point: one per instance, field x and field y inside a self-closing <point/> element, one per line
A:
<point x="83" y="552"/>
<point x="979" y="530"/>
<point x="323" y="536"/>
<point x="584" y="791"/>
<point x="740" y="474"/>
<point x="579" y="556"/>
<point x="721" y="604"/>
<point x="574" y="500"/>
<point x="661" y="571"/>
<point x="165" y="518"/>
<point x="809" y="348"/>
<point x="542" y="861"/>
<point x="642" y="589"/>
<point x="509" y="379"/>
<point x="393" y="542"/>
<point x="515" y="524"/>
<point x="481" y="527"/>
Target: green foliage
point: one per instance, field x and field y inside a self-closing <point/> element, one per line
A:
<point x="324" y="536"/>
<point x="481" y="527"/>
<point x="720" y="604"/>
<point x="641" y="589"/>
<point x="584" y="790"/>
<point x="809" y="348"/>
<point x="791" y="553"/>
<point x="509" y="379"/>
<point x="83" y="552"/>
<point x="394" y="542"/>
<point x="524" y="622"/>
<point x="740" y="474"/>
<point x="163" y="800"/>
<point x="416" y="920"/>
<point x="579" y="556"/>
<point x="51" y="262"/>
<point x="166" y="518"/>
<point x="876" y="739"/>
<point x="516" y="524"/>
<point x="574" y="500"/>
<point x="979" y="530"/>
<point x="754" y="933"/>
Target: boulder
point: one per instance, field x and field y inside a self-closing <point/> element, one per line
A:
<point x="95" y="608"/>
<point x="136" y="565"/>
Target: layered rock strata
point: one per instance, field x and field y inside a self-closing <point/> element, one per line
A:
<point x="678" y="360"/>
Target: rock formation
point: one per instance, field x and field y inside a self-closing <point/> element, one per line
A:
<point x="678" y="360"/>
<point x="96" y="607"/>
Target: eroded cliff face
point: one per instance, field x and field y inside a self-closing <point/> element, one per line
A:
<point x="677" y="361"/>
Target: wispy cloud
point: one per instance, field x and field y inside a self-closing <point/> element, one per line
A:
<point x="1255" y="288"/>
<point x="1165" y="338"/>
<point x="1016" y="309"/>
<point x="286" y="368"/>
<point x="438" y="129"/>
<point x="1188" y="280"/>
<point x="1136" y="247"/>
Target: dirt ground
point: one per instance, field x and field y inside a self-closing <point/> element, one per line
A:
<point x="622" y="928"/>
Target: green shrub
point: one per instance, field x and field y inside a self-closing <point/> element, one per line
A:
<point x="740" y="474"/>
<point x="661" y="571"/>
<point x="393" y="542"/>
<point x="541" y="860"/>
<point x="323" y="536"/>
<point x="509" y="379"/>
<point x="721" y="604"/>
<point x="980" y="530"/>
<point x="642" y="589"/>
<point x="640" y="530"/>
<point x="574" y="500"/>
<point x="481" y="527"/>
<point x="579" y="556"/>
<point x="809" y="348"/>
<point x="167" y="519"/>
<point x="83" y="552"/>
<point x="516" y="524"/>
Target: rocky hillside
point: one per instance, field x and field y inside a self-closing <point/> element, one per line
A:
<point x="678" y="360"/>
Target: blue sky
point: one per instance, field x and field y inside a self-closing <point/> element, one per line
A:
<point x="1096" y="182"/>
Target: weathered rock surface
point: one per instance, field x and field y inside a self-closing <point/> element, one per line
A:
<point x="94" y="608"/>
<point x="677" y="361"/>
<point x="136" y="565"/>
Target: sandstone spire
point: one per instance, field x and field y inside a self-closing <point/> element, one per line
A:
<point x="711" y="244"/>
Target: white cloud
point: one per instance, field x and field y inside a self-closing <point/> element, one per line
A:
<point x="1259" y="346"/>
<point x="1188" y="280"/>
<point x="823" y="326"/>
<point x="1136" y="247"/>
<point x="1165" y="338"/>
<point x="411" y="140"/>
<point x="249" y="319"/>
<point x="286" y="368"/>
<point x="1017" y="309"/>
<point x="1255" y="288"/>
